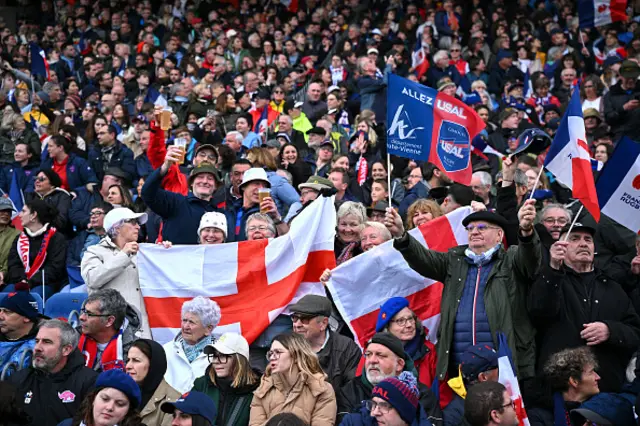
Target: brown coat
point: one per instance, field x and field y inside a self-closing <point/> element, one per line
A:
<point x="311" y="398"/>
<point x="151" y="413"/>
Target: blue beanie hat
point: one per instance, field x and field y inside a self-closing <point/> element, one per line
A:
<point x="388" y="310"/>
<point x="402" y="393"/>
<point x="121" y="381"/>
<point x="503" y="54"/>
<point x="21" y="302"/>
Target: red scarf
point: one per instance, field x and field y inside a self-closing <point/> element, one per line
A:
<point x="363" y="169"/>
<point x="112" y="357"/>
<point x="23" y="252"/>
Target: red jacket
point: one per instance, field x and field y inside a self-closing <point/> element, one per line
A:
<point x="174" y="181"/>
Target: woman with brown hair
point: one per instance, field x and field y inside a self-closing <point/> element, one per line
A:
<point x="294" y="382"/>
<point x="422" y="211"/>
<point x="119" y="196"/>
<point x="229" y="380"/>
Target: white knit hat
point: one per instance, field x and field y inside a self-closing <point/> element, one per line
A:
<point x="213" y="220"/>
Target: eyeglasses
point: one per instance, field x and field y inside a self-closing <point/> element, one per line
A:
<point x="404" y="321"/>
<point x="304" y="319"/>
<point x="218" y="357"/>
<point x="131" y="221"/>
<point x="97" y="213"/>
<point x="560" y="221"/>
<point x="278" y="92"/>
<point x="480" y="227"/>
<point x="454" y="50"/>
<point x="84" y="311"/>
<point x="274" y="354"/>
<point x="384" y="407"/>
<point x="261" y="228"/>
<point x="41" y="179"/>
<point x="510" y="403"/>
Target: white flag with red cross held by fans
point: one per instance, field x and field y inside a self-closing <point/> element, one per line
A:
<point x="360" y="286"/>
<point x="252" y="281"/>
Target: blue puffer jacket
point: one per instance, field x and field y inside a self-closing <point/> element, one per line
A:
<point x="181" y="215"/>
<point x="467" y="316"/>
<point x="13" y="350"/>
<point x="363" y="418"/>
<point x="25" y="176"/>
<point x="79" y="172"/>
<point x="282" y="192"/>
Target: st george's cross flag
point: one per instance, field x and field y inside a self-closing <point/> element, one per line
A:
<point x="619" y="185"/>
<point x="252" y="281"/>
<point x="569" y="158"/>
<point x="360" y="286"/>
<point x="596" y="13"/>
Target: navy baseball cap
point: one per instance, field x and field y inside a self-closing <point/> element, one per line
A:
<point x="194" y="403"/>
<point x="477" y="359"/>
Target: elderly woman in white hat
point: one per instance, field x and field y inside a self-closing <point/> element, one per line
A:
<point x="112" y="263"/>
<point x="212" y="229"/>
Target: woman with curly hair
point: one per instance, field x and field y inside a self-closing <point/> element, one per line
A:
<point x="114" y="401"/>
<point x="422" y="211"/>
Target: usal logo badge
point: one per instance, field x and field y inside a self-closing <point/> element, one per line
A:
<point x="453" y="146"/>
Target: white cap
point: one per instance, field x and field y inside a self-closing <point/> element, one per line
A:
<point x="298" y="104"/>
<point x="228" y="344"/>
<point x="372" y="50"/>
<point x="333" y="89"/>
<point x="119" y="214"/>
<point x="255" y="173"/>
<point x="213" y="220"/>
<point x="231" y="33"/>
<point x="377" y="31"/>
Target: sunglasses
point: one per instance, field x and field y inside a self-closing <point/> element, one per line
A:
<point x="41" y="179"/>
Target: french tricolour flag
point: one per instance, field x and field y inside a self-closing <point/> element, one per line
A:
<point x="569" y="159"/>
<point x="382" y="273"/>
<point x="39" y="64"/>
<point x="419" y="61"/>
<point x="596" y="13"/>
<point x="619" y="185"/>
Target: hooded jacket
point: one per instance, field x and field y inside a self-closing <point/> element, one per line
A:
<point x="155" y="390"/>
<point x="18" y="351"/>
<point x="52" y="398"/>
<point x="234" y="404"/>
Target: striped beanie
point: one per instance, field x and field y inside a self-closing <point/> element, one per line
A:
<point x="402" y="393"/>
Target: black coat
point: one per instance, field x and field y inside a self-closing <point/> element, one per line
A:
<point x="61" y="200"/>
<point x="47" y="391"/>
<point x="339" y="359"/>
<point x="561" y="301"/>
<point x="300" y="172"/>
<point x="55" y="270"/>
<point x="623" y="123"/>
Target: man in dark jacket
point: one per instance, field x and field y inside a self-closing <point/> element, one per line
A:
<point x="485" y="287"/>
<point x="110" y="153"/>
<point x="55" y="385"/>
<point x="384" y="357"/>
<point x="339" y="356"/>
<point x="373" y="91"/>
<point x="503" y="70"/>
<point x="572" y="304"/>
<point x="622" y="103"/>
<point x="19" y="319"/>
<point x="181" y="214"/>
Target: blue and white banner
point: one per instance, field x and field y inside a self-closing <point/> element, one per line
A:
<point x="619" y="185"/>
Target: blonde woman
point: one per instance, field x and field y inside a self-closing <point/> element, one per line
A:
<point x="293" y="383"/>
<point x="363" y="151"/>
<point x="422" y="211"/>
<point x="229" y="380"/>
<point x="351" y="219"/>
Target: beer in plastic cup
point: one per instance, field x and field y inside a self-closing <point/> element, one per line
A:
<point x="182" y="144"/>
<point x="262" y="194"/>
<point x="165" y="118"/>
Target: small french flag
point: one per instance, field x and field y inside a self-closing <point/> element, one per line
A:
<point x="596" y="13"/>
<point x="419" y="61"/>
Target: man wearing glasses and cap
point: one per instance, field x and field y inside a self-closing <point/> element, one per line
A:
<point x="573" y="304"/>
<point x="485" y="286"/>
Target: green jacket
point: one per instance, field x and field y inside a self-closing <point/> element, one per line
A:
<point x="7" y="239"/>
<point x="236" y="403"/>
<point x="302" y="124"/>
<point x="505" y="294"/>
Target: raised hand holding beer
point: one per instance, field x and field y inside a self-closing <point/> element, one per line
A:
<point x="174" y="154"/>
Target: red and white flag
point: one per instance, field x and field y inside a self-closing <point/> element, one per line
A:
<point x="252" y="281"/>
<point x="360" y="286"/>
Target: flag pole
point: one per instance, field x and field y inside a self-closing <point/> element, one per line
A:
<point x="573" y="222"/>
<point x="535" y="185"/>
<point x="389" y="177"/>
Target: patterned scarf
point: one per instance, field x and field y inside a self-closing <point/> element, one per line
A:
<point x="192" y="351"/>
<point x="112" y="356"/>
<point x="363" y="169"/>
<point x="23" y="251"/>
<point x="347" y="253"/>
<point x="453" y="21"/>
<point x="482" y="258"/>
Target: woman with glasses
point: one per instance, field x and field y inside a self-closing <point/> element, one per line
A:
<point x="113" y="263"/>
<point x="229" y="380"/>
<point x="591" y="94"/>
<point x="147" y="365"/>
<point x="38" y="254"/>
<point x="185" y="353"/>
<point x="293" y="382"/>
<point x="277" y="99"/>
<point x="48" y="188"/>
<point x="397" y="318"/>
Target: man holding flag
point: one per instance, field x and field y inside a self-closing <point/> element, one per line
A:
<point x="485" y="286"/>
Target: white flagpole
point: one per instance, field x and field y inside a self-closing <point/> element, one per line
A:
<point x="535" y="185"/>
<point x="575" y="219"/>
<point x="43" y="285"/>
<point x="389" y="177"/>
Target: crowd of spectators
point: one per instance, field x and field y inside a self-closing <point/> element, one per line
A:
<point x="166" y="122"/>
